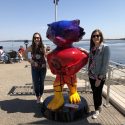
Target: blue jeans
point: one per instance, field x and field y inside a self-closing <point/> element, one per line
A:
<point x="38" y="77"/>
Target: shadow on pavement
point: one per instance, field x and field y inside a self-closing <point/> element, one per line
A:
<point x="23" y="106"/>
<point x="30" y="106"/>
<point x="48" y="122"/>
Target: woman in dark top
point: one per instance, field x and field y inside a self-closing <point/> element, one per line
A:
<point x="38" y="64"/>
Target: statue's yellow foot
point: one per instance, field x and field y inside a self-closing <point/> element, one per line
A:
<point x="74" y="98"/>
<point x="56" y="102"/>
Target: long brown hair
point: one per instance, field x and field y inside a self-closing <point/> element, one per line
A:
<point x="91" y="39"/>
<point x="40" y="46"/>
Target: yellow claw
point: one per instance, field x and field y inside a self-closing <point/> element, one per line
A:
<point x="74" y="98"/>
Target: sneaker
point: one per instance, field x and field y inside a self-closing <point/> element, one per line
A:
<point x="41" y="100"/>
<point x="95" y="115"/>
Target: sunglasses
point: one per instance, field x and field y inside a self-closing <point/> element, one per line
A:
<point x="36" y="37"/>
<point x="95" y="36"/>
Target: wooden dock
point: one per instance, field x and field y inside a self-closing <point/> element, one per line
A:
<point x="18" y="105"/>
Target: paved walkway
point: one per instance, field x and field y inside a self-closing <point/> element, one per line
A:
<point x="21" y="108"/>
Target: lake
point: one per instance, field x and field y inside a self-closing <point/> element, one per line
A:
<point x="117" y="47"/>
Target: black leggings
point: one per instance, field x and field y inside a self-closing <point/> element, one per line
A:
<point x="97" y="93"/>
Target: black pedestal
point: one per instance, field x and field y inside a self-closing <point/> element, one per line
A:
<point x="65" y="114"/>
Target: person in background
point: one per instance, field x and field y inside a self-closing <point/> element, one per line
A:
<point x="3" y="55"/>
<point x="98" y="64"/>
<point x="20" y="52"/>
<point x="38" y="64"/>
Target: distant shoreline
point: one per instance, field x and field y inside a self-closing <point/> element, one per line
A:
<point x="47" y="40"/>
<point x="105" y="39"/>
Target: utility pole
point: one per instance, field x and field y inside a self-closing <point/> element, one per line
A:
<point x="56" y="4"/>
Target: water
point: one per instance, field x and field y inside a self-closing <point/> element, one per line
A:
<point x="117" y="47"/>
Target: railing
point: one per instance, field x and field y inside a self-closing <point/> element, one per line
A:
<point x="115" y="75"/>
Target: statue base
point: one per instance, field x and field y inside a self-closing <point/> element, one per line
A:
<point x="68" y="112"/>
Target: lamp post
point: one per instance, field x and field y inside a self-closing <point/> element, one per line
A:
<point x="26" y="42"/>
<point x="56" y="3"/>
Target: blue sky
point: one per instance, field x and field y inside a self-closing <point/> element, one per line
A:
<point x="19" y="19"/>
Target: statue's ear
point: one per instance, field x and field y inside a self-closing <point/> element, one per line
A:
<point x="48" y="24"/>
<point x="76" y="22"/>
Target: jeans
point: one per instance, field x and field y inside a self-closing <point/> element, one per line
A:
<point x="97" y="93"/>
<point x="38" y="77"/>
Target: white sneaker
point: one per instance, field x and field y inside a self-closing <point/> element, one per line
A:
<point x="96" y="114"/>
<point x="41" y="100"/>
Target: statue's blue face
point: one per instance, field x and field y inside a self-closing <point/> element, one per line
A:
<point x="67" y="30"/>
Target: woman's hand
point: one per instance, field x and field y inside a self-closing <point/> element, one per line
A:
<point x="84" y="50"/>
<point x="35" y="64"/>
<point x="97" y="83"/>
